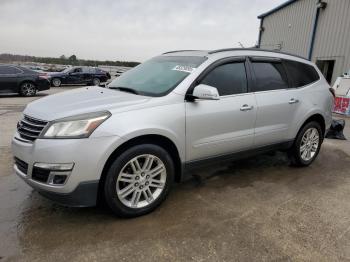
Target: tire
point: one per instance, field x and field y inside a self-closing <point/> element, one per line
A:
<point x="27" y="89"/>
<point x="96" y="82"/>
<point x="307" y="144"/>
<point x="129" y="189"/>
<point x="56" y="82"/>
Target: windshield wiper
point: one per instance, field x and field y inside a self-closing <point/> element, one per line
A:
<point x="125" y="89"/>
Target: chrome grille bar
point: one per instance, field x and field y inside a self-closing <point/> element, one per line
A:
<point x="29" y="128"/>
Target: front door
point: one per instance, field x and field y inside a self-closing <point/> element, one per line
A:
<point x="219" y="127"/>
<point x="75" y="76"/>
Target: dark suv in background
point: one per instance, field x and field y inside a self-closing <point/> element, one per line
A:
<point x="79" y="75"/>
<point x="26" y="82"/>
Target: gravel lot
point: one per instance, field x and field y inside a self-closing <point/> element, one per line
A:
<point x="253" y="210"/>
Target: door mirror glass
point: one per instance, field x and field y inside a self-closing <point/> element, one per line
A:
<point x="205" y="92"/>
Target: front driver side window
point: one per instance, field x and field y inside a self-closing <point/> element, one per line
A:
<point x="229" y="79"/>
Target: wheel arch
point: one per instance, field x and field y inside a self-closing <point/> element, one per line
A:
<point x="317" y="117"/>
<point x="26" y="81"/>
<point x="155" y="139"/>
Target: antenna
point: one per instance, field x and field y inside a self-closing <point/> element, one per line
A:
<point x="240" y="44"/>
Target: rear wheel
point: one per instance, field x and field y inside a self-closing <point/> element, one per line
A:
<point x="307" y="144"/>
<point x="56" y="82"/>
<point x="27" y="89"/>
<point x="96" y="82"/>
<point x="139" y="180"/>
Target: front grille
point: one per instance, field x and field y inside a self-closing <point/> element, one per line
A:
<point x="40" y="174"/>
<point x="30" y="128"/>
<point x="21" y="165"/>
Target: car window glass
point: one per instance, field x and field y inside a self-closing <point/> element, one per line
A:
<point x="87" y="70"/>
<point x="77" y="70"/>
<point x="300" y="74"/>
<point x="9" y="70"/>
<point x="229" y="79"/>
<point x="269" y="76"/>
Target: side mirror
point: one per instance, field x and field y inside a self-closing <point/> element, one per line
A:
<point x="205" y="92"/>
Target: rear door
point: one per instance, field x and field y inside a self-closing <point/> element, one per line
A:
<point x="276" y="102"/>
<point x="87" y="74"/>
<point x="219" y="127"/>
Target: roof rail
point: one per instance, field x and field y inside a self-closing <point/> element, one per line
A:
<point x="254" y="49"/>
<point x="176" y="51"/>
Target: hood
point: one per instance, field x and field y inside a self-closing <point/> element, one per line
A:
<point x="82" y="100"/>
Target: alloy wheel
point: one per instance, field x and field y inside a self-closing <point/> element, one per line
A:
<point x="28" y="89"/>
<point x="309" y="144"/>
<point x="141" y="181"/>
<point x="56" y="82"/>
<point x="96" y="82"/>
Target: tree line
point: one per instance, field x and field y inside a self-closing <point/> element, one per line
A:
<point x="63" y="60"/>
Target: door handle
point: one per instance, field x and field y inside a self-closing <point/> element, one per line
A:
<point x="246" y="108"/>
<point x="293" y="101"/>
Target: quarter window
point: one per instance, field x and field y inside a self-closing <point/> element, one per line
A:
<point x="229" y="79"/>
<point x="87" y="70"/>
<point x="269" y="76"/>
<point x="300" y="74"/>
<point x="77" y="70"/>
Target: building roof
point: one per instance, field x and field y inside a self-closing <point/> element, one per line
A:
<point x="279" y="7"/>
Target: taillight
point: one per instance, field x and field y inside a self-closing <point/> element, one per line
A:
<point x="43" y="76"/>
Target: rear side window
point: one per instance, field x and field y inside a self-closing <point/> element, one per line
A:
<point x="269" y="76"/>
<point x="9" y="70"/>
<point x="229" y="79"/>
<point x="77" y="70"/>
<point x="300" y="74"/>
<point x="87" y="70"/>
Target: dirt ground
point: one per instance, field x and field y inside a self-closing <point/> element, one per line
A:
<point x="259" y="209"/>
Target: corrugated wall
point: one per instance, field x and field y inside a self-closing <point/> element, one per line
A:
<point x="333" y="36"/>
<point x="292" y="26"/>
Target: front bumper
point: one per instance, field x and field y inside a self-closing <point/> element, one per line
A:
<point x="88" y="155"/>
<point x="84" y="195"/>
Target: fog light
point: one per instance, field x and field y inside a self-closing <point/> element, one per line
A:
<point x="59" y="179"/>
<point x="57" y="173"/>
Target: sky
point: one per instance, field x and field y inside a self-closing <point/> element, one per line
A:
<point x="128" y="30"/>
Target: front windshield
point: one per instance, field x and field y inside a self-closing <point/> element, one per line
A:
<point x="158" y="76"/>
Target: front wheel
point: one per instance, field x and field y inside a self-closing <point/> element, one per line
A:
<point x="56" y="82"/>
<point x="307" y="144"/>
<point x="139" y="180"/>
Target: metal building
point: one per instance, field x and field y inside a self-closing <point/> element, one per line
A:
<point x="315" y="29"/>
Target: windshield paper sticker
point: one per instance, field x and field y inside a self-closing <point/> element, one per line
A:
<point x="183" y="68"/>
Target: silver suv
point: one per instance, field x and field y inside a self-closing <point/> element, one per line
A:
<point x="128" y="143"/>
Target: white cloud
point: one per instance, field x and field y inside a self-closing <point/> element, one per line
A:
<point x="126" y="29"/>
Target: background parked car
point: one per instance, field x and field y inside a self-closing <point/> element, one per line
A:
<point x="26" y="82"/>
<point x="79" y="75"/>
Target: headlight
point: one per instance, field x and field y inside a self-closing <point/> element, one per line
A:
<point x="80" y="126"/>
